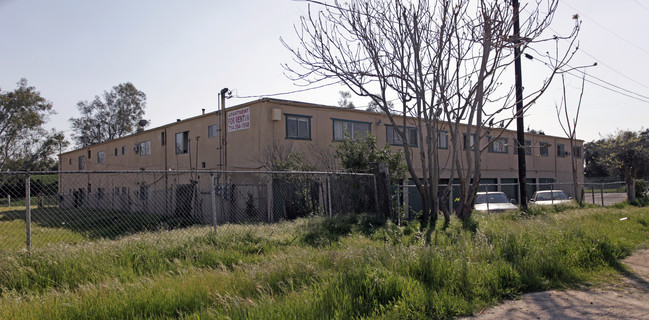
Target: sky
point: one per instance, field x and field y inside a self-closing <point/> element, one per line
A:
<point x="182" y="53"/>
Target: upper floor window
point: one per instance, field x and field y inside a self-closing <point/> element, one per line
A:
<point x="211" y="131"/>
<point x="355" y="129"/>
<point x="499" y="145"/>
<point x="561" y="150"/>
<point x="182" y="142"/>
<point x="527" y="146"/>
<point x="145" y="148"/>
<point x="544" y="150"/>
<point x="442" y="139"/>
<point x="576" y="151"/>
<point x="116" y="153"/>
<point x="82" y="162"/>
<point x="123" y="149"/>
<point x="100" y="157"/>
<point x="394" y="138"/>
<point x="298" y="127"/>
<point x="469" y="143"/>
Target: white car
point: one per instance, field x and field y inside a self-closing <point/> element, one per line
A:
<point x="493" y="201"/>
<point x="549" y="197"/>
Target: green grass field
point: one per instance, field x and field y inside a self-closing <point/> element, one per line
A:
<point x="354" y="267"/>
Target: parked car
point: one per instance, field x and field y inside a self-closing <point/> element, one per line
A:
<point x="493" y="201"/>
<point x="549" y="197"/>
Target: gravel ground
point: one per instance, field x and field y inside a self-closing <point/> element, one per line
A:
<point x="626" y="298"/>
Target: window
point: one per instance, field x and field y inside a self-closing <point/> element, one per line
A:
<point x="470" y="143"/>
<point x="528" y="147"/>
<point x="100" y="193"/>
<point x="211" y="131"/>
<point x="498" y="145"/>
<point x="100" y="157"/>
<point x="182" y="142"/>
<point x="145" y="148"/>
<point x="576" y="152"/>
<point x="89" y="154"/>
<point x="82" y="162"/>
<point x="70" y="161"/>
<point x="561" y="150"/>
<point x="163" y="138"/>
<point x="298" y="127"/>
<point x="355" y="129"/>
<point x="123" y="149"/>
<point x="545" y="149"/>
<point x="442" y="139"/>
<point x="144" y="192"/>
<point x="116" y="191"/>
<point x="394" y="138"/>
<point x="116" y="152"/>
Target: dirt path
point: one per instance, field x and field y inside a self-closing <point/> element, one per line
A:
<point x="628" y="298"/>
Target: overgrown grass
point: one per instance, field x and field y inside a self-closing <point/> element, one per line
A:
<point x="350" y="267"/>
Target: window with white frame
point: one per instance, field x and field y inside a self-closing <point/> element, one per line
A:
<point x="298" y="127"/>
<point x="527" y="146"/>
<point x="544" y="149"/>
<point x="145" y="148"/>
<point x="576" y="151"/>
<point x="394" y="138"/>
<point x="355" y="129"/>
<point x="498" y="145"/>
<point x="101" y="157"/>
<point x="82" y="162"/>
<point x="182" y="142"/>
<point x="468" y="142"/>
<point x="442" y="139"/>
<point x="211" y="131"/>
<point x="561" y="150"/>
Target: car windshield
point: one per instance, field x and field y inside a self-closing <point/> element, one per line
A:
<point x="492" y="198"/>
<point x="546" y="196"/>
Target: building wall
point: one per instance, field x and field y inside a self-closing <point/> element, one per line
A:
<point x="265" y="133"/>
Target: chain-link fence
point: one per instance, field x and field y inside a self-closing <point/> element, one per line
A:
<point x="601" y="193"/>
<point x="41" y="208"/>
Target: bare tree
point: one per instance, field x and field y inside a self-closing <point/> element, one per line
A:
<point x="569" y="127"/>
<point x="440" y="62"/>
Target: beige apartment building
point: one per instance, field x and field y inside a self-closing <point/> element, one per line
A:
<point x="257" y="130"/>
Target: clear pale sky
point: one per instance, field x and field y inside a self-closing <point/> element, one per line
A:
<point x="182" y="53"/>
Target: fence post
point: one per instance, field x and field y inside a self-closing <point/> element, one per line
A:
<point x="213" y="195"/>
<point x="329" y="194"/>
<point x="601" y="192"/>
<point x="592" y="193"/>
<point x="28" y="211"/>
<point x="398" y="206"/>
<point x="269" y="198"/>
<point x="406" y="203"/>
<point x="376" y="195"/>
<point x="8" y="200"/>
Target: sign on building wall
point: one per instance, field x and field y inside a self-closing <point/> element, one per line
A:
<point x="239" y="119"/>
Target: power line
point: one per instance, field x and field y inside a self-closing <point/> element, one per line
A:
<point x="605" y="28"/>
<point x="643" y="99"/>
<point x="613" y="69"/>
<point x="285" y="93"/>
<point x="641" y="5"/>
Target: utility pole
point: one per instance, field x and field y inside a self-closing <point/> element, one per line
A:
<point x="520" y="133"/>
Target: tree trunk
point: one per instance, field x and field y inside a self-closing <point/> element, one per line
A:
<point x="630" y="189"/>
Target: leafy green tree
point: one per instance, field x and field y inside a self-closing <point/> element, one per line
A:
<point x="594" y="167"/>
<point x="115" y="114"/>
<point x="362" y="155"/>
<point x="24" y="143"/>
<point x="627" y="152"/>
